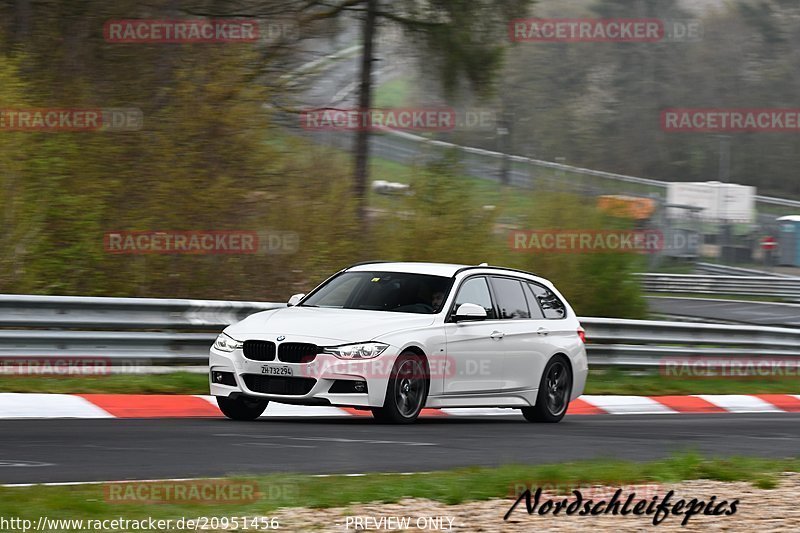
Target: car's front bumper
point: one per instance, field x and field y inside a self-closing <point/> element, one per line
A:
<point x="325" y="370"/>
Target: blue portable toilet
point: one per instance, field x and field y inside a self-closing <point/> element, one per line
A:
<point x="789" y="240"/>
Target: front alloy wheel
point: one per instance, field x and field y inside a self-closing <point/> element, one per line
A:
<point x="407" y="391"/>
<point x="242" y="407"/>
<point x="554" y="392"/>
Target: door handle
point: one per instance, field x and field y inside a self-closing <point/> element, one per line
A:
<point x="542" y="331"/>
<point x="497" y="335"/>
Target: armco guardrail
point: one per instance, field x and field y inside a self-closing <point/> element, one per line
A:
<point x="55" y="327"/>
<point x="41" y="330"/>
<point x="621" y="342"/>
<point x="774" y="287"/>
<point x="725" y="270"/>
<point x="122" y="313"/>
<point x="123" y="348"/>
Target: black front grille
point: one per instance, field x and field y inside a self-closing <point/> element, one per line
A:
<point x="278" y="384"/>
<point x="259" y="350"/>
<point x="297" y="352"/>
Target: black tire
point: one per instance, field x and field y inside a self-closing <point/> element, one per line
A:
<point x="407" y="391"/>
<point x="555" y="389"/>
<point x="242" y="407"/>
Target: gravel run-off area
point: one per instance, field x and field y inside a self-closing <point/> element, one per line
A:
<point x="758" y="510"/>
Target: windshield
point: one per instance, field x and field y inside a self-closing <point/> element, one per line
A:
<point x="383" y="291"/>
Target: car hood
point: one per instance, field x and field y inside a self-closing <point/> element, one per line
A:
<point x="345" y="325"/>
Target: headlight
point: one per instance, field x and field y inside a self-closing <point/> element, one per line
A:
<point x="226" y="344"/>
<point x="364" y="350"/>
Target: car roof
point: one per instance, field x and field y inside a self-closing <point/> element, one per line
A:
<point x="434" y="269"/>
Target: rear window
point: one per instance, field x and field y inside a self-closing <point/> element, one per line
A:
<point x="549" y="303"/>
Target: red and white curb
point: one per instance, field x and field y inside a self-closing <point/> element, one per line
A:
<point x="26" y="405"/>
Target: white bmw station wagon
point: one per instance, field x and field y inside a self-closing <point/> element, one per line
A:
<point x="395" y="338"/>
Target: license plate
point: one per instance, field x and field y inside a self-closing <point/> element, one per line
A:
<point x="276" y="370"/>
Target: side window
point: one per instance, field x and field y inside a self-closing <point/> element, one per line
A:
<point x="510" y="298"/>
<point x="551" y="305"/>
<point x="476" y="291"/>
<point x="533" y="303"/>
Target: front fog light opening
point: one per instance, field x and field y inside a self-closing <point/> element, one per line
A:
<point x="348" y="386"/>
<point x="223" y="378"/>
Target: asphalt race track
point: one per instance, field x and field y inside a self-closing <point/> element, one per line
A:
<point x="744" y="312"/>
<point x="62" y="450"/>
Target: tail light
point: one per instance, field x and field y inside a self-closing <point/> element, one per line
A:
<point x="582" y="334"/>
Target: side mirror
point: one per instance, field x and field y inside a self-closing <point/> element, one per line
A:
<point x="467" y="312"/>
<point x="296" y="298"/>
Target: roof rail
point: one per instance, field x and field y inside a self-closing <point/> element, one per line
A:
<point x="364" y="263"/>
<point x="462" y="269"/>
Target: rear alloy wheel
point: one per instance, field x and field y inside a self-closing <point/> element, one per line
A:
<point x="554" y="392"/>
<point x="407" y="391"/>
<point x="242" y="407"/>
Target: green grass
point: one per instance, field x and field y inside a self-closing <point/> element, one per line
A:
<point x="513" y="204"/>
<point x="450" y="487"/>
<point x="173" y="383"/>
<point x="652" y="383"/>
<point x="393" y="94"/>
<point x="601" y="381"/>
